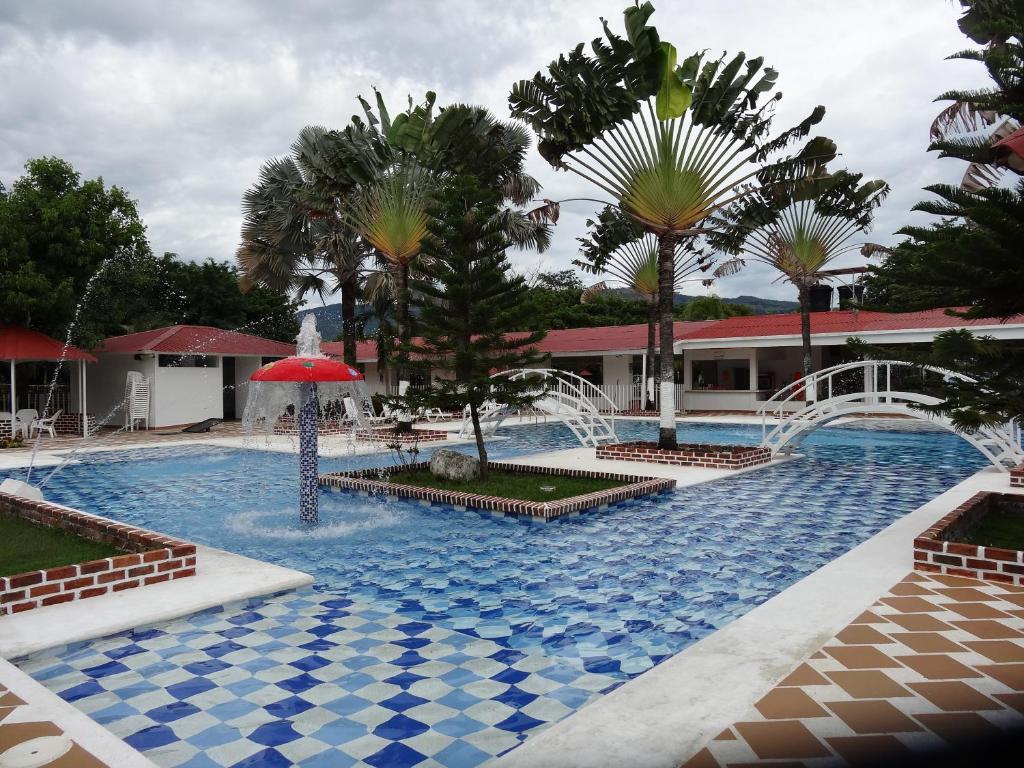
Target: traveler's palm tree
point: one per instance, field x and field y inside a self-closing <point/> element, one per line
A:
<point x="670" y="145"/>
<point x="618" y="247"/>
<point x="801" y="234"/>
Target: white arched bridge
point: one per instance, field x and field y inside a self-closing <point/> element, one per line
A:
<point x="583" y="407"/>
<point x="869" y="387"/>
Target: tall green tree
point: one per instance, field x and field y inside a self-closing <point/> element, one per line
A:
<point x="668" y="144"/>
<point x="800" y="230"/>
<point x="61" y="237"/>
<point x="469" y="300"/>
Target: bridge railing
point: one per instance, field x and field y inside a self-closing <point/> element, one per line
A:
<point x="876" y="386"/>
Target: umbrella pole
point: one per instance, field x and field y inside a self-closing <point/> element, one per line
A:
<point x="14" y="394"/>
<point x="309" y="473"/>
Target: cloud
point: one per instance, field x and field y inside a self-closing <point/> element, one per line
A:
<point x="181" y="103"/>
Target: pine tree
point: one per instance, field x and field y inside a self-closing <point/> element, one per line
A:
<point x="469" y="304"/>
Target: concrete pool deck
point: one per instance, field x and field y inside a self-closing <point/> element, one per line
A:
<point x="221" y="577"/>
<point x="664" y="717"/>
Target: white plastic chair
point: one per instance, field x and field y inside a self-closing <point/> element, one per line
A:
<point x="24" y="419"/>
<point x="372" y="417"/>
<point x="46" y="425"/>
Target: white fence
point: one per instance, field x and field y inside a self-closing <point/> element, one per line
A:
<point x="628" y="397"/>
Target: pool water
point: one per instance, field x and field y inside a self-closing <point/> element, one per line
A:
<point x="442" y="637"/>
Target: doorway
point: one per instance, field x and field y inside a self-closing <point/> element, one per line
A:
<point x="228" y="382"/>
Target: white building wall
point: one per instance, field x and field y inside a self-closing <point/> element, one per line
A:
<point x="105" y="383"/>
<point x="616" y="370"/>
<point x="186" y="395"/>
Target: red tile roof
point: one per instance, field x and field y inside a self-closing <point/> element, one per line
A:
<point x="850" y="322"/>
<point x="25" y="344"/>
<point x="196" y="340"/>
<point x="602" y="339"/>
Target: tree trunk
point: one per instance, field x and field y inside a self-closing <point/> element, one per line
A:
<point x="805" y="327"/>
<point x="652" y="328"/>
<point x="481" y="448"/>
<point x="666" y="291"/>
<point x="404" y="423"/>
<point x="402" y="302"/>
<point x="348" y="319"/>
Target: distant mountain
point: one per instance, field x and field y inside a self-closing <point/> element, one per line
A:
<point x="757" y="305"/>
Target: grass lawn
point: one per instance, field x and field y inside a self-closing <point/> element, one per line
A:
<point x="511" y="485"/>
<point x="998" y="528"/>
<point x="25" y="546"/>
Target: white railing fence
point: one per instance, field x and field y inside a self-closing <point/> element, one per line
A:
<point x="629" y="397"/>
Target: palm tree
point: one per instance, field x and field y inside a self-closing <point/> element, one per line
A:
<point x="799" y="234"/>
<point x="294" y="238"/>
<point x="618" y="247"/>
<point x="670" y="145"/>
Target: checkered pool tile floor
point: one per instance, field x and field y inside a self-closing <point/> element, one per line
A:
<point x="312" y="679"/>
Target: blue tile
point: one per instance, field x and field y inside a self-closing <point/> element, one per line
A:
<point x="191" y="687"/>
<point x="462" y="754"/>
<point x="206" y="667"/>
<point x="395" y="756"/>
<point x="402" y="701"/>
<point x="275" y="734"/>
<point x="400" y="727"/>
<point x="299" y="683"/>
<point x="171" y="712"/>
<point x="267" y="758"/>
<point x="459" y="725"/>
<point x="289" y="707"/>
<point x="151" y="738"/>
<point x="518" y="722"/>
<point x="215" y="736"/>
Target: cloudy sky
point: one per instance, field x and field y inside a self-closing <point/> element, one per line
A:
<point x="180" y="103"/>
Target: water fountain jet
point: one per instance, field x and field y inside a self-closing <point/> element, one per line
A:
<point x="303" y="385"/>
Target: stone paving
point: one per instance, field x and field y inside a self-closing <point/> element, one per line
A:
<point x="936" y="664"/>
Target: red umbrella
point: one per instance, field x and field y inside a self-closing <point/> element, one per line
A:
<point x="307" y="369"/>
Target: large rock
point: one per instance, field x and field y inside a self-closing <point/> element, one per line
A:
<point x="453" y="465"/>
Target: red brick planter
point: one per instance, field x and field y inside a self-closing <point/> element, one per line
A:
<point x="388" y="435"/>
<point x="688" y="454"/>
<point x="150" y="559"/>
<point x="938" y="551"/>
<point x="1017" y="477"/>
<point x="368" y="480"/>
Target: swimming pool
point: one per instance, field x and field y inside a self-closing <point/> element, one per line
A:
<point x="435" y="636"/>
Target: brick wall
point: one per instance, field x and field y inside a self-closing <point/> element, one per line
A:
<point x="1017" y="477"/>
<point x="938" y="551"/>
<point x="388" y="435"/>
<point x="71" y="423"/>
<point x="371" y="481"/>
<point x="150" y="558"/>
<point x="691" y="455"/>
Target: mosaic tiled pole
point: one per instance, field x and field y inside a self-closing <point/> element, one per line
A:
<point x="309" y="487"/>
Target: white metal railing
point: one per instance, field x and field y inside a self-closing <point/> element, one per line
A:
<point x="867" y="386"/>
<point x="588" y="411"/>
<point x="627" y="397"/>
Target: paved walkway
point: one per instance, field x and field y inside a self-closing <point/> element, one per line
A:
<point x="937" y="663"/>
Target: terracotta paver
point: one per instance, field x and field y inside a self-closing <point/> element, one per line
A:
<point x="31" y="723"/>
<point x="935" y="664"/>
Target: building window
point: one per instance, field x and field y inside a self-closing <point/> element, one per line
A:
<point x="721" y="374"/>
<point x="188" y="361"/>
